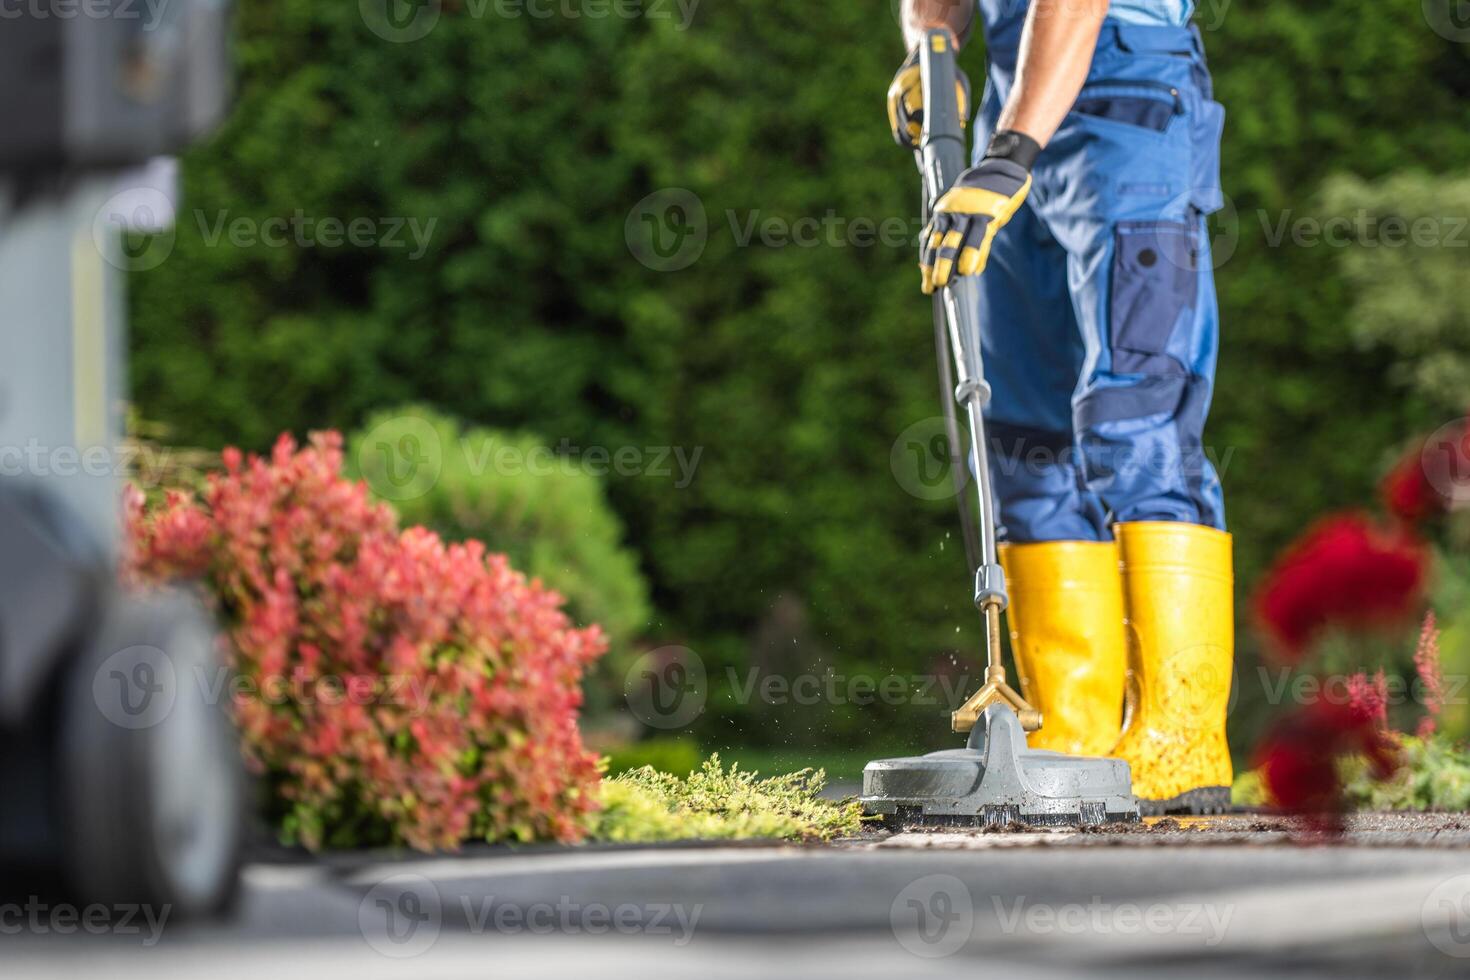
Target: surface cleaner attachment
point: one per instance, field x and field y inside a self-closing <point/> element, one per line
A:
<point x="996" y="780"/>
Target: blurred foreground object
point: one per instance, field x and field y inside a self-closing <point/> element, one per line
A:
<point x="117" y="768"/>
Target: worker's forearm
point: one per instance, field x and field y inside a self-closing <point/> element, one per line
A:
<point x="1057" y="45"/>
<point x="921" y="15"/>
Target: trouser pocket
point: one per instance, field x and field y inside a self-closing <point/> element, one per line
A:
<point x="1155" y="283"/>
<point x="1205" y="134"/>
<point x="1146" y="104"/>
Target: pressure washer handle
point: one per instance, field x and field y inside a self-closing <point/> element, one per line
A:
<point x="942" y="157"/>
<point x="942" y="152"/>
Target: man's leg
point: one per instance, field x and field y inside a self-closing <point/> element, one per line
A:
<point x="1033" y="353"/>
<point x="1066" y="601"/>
<point x="1123" y="195"/>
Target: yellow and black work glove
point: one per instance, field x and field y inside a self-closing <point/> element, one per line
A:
<point x="906" y="102"/>
<point x="957" y="240"/>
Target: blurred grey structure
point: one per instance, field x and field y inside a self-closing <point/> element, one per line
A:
<point x="119" y="776"/>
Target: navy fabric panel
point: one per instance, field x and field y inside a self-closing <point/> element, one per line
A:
<point x="1155" y="280"/>
<point x="1134" y="110"/>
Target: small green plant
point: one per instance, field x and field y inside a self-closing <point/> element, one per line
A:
<point x="1434" y="774"/>
<point x="718" y="803"/>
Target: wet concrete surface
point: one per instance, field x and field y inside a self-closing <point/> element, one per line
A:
<point x="1222" y="896"/>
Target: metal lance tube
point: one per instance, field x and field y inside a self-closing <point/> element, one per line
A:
<point x="942" y="158"/>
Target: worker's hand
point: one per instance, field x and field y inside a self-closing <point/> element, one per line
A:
<point x="983" y="199"/>
<point x="906" y="102"/>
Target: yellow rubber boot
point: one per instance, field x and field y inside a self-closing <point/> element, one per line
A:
<point x="1066" y="620"/>
<point x="1178" y="594"/>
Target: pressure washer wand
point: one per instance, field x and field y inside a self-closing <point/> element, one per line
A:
<point x="942" y="157"/>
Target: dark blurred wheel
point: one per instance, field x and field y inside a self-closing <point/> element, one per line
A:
<point x="152" y="799"/>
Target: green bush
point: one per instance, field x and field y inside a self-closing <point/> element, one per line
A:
<point x="548" y="513"/>
<point x="528" y="143"/>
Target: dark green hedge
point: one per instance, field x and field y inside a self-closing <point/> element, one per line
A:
<point x="527" y="141"/>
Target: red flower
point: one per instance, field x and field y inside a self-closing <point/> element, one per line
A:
<point x="1299" y="759"/>
<point x="1408" y="493"/>
<point x="1346" y="572"/>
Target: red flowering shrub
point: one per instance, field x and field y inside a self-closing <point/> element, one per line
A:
<point x="1430" y="674"/>
<point x="1345" y="572"/>
<point x="1298" y="761"/>
<point x="391" y="688"/>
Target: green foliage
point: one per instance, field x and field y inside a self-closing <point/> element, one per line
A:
<point x="1249" y="789"/>
<point x="716" y="803"/>
<point x="1407" y="271"/>
<point x="528" y="142"/>
<point x="1435" y="775"/>
<point x="548" y="513"/>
